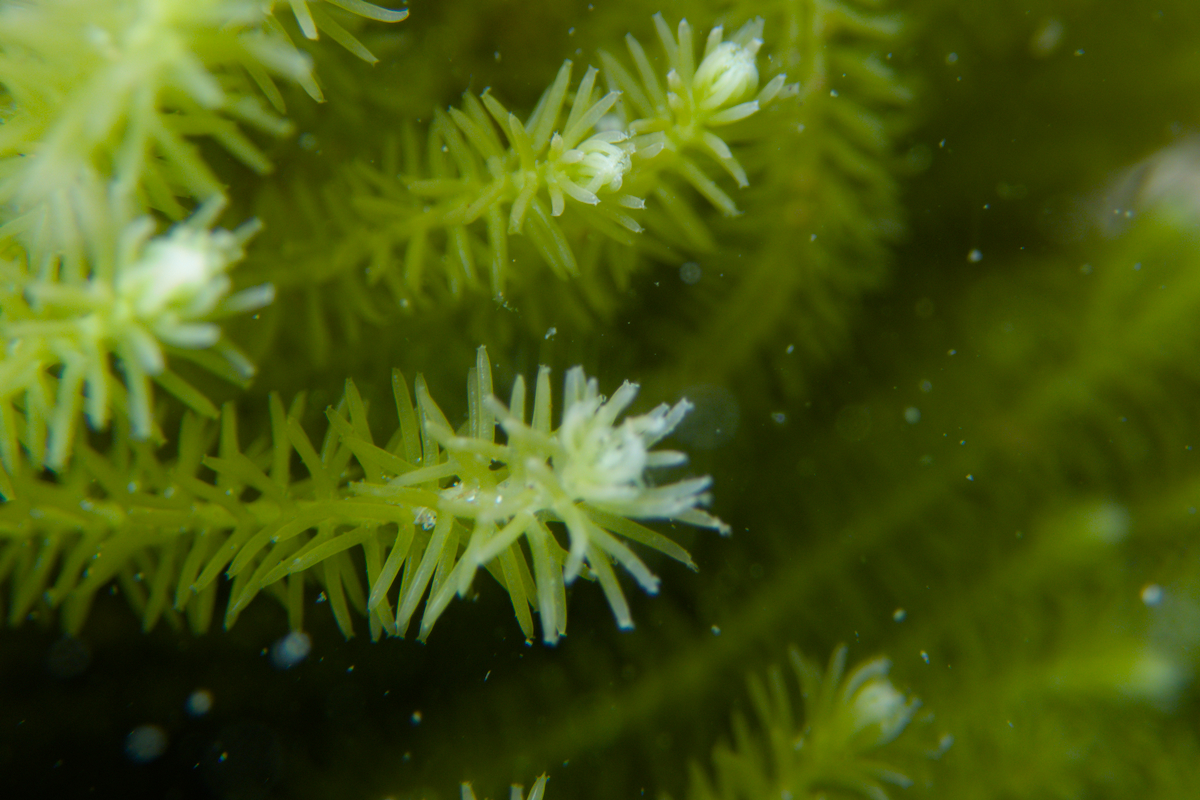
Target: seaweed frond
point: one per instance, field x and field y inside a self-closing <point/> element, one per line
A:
<point x="846" y="719"/>
<point x="120" y="91"/>
<point x="100" y="92"/>
<point x="516" y="791"/>
<point x="676" y="124"/>
<point x="132" y="300"/>
<point x="834" y="199"/>
<point x="313" y="18"/>
<point x="443" y="208"/>
<point x="426" y="510"/>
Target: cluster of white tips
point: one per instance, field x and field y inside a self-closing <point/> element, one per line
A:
<point x="878" y="712"/>
<point x="169" y="286"/>
<point x="604" y="463"/>
<point x="728" y="74"/>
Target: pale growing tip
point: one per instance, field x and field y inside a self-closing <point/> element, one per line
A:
<point x="181" y="274"/>
<point x="727" y="75"/>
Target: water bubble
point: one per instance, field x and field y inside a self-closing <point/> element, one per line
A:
<point x="918" y="158"/>
<point x="145" y="743"/>
<point x="425" y="517"/>
<point x="68" y="657"/>
<point x="1046" y="37"/>
<point x="199" y="703"/>
<point x="291" y="649"/>
<point x="1108" y="522"/>
<point x="690" y="273"/>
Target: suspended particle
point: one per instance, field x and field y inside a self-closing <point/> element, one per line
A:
<point x="975" y="255"/>
<point x="1047" y="37"/>
<point x="199" y="703"/>
<point x="912" y="415"/>
<point x="690" y="273"/>
<point x="1152" y="594"/>
<point x="899" y="614"/>
<point x="290" y="650"/>
<point x="145" y="743"/>
<point x="68" y="657"/>
<point x="425" y="517"/>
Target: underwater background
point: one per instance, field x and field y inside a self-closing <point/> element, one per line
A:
<point x="944" y="359"/>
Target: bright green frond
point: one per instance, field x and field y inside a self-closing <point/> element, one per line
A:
<point x="425" y="512"/>
<point x="828" y="741"/>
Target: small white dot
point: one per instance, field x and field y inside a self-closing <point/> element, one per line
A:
<point x="199" y="702"/>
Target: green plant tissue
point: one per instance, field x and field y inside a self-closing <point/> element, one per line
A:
<point x="886" y="485"/>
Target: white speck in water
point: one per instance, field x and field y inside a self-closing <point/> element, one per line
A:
<point x="1047" y="37"/>
<point x="912" y="415"/>
<point x="290" y="650"/>
<point x="975" y="256"/>
<point x="1152" y="594"/>
<point x="199" y="703"/>
<point x="690" y="273"/>
<point x="145" y="743"/>
<point x="425" y="517"/>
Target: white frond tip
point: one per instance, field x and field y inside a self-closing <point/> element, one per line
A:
<point x="589" y="475"/>
<point x="728" y="74"/>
